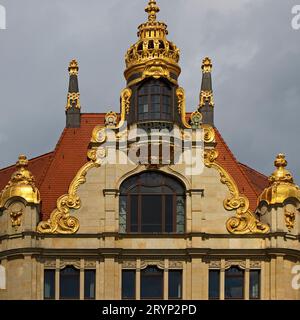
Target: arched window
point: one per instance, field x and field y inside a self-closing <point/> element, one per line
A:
<point x="152" y="202"/>
<point x="154" y="101"/>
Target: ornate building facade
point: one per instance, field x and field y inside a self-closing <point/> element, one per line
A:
<point x="76" y="225"/>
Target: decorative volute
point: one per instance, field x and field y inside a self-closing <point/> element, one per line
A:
<point x="282" y="185"/>
<point x="152" y="55"/>
<point x="21" y="185"/>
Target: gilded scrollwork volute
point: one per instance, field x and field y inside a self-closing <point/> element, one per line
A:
<point x="244" y="221"/>
<point x="61" y="221"/>
<point x="180" y="93"/>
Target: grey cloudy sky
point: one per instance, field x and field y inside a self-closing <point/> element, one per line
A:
<point x="254" y="49"/>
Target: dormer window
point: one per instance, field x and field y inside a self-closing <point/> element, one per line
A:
<point x="155" y="101"/>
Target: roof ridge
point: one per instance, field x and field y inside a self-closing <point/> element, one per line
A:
<point x="237" y="162"/>
<point x="257" y="172"/>
<point x="30" y="160"/>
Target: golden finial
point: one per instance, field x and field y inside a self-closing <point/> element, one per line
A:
<point x="22" y="161"/>
<point x="152" y="9"/>
<point x="282" y="185"/>
<point x="21" y="184"/>
<point x="281" y="174"/>
<point x="206" y="65"/>
<point x="73" y="67"/>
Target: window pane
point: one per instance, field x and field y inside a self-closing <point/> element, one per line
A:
<point x="128" y="284"/>
<point x="155" y="99"/>
<point x="180" y="223"/>
<point x="49" y="284"/>
<point x="214" y="284"/>
<point x="155" y="108"/>
<point x="234" y="283"/>
<point x="175" y="284"/>
<point x="122" y="217"/>
<point x="152" y="283"/>
<point x="151" y="213"/>
<point x="69" y="283"/>
<point x="89" y="284"/>
<point x="155" y="89"/>
<point x="134" y="213"/>
<point x="169" y="213"/>
<point x="254" y="284"/>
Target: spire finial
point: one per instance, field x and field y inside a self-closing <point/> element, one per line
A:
<point x="152" y="9"/>
<point x="73" y="67"/>
<point x="22" y="161"/>
<point x="73" y="100"/>
<point x="206" y="65"/>
<point x="281" y="174"/>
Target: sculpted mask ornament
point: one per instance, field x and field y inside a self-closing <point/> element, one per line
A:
<point x="16" y="212"/>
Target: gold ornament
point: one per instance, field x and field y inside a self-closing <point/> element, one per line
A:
<point x="206" y="65"/>
<point x="180" y="93"/>
<point x="282" y="185"/>
<point x="73" y="67"/>
<point x="206" y="96"/>
<point x="16" y="212"/>
<point x="196" y="120"/>
<point x="61" y="221"/>
<point x="290" y="218"/>
<point x="73" y="100"/>
<point x="244" y="222"/>
<point x="152" y="48"/>
<point x="21" y="184"/>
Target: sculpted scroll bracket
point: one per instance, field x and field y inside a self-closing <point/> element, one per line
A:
<point x="244" y="222"/>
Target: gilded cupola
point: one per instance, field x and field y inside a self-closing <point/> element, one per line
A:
<point x="153" y="55"/>
<point x="282" y="186"/>
<point x="21" y="185"/>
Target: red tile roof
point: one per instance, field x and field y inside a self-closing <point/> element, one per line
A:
<point x="228" y="161"/>
<point x="258" y="180"/>
<point x="55" y="171"/>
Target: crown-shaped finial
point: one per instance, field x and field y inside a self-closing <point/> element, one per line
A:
<point x="152" y="9"/>
<point x="73" y="67"/>
<point x="206" y="65"/>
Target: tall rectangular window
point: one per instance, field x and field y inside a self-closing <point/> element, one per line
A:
<point x="254" y="284"/>
<point x="214" y="284"/>
<point x="69" y="283"/>
<point x="89" y="284"/>
<point x="128" y="284"/>
<point x="234" y="283"/>
<point x="152" y="283"/>
<point x="175" y="284"/>
<point x="49" y="284"/>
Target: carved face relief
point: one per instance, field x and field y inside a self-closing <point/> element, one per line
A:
<point x="16" y="212"/>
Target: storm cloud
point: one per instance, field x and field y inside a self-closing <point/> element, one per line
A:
<point x="254" y="49"/>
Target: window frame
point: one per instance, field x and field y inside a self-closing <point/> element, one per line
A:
<point x="159" y="273"/>
<point x="77" y="297"/>
<point x="175" y="191"/>
<point x="144" y="90"/>
<point x="233" y="276"/>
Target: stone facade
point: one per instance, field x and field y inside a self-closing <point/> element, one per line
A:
<point x="98" y="245"/>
